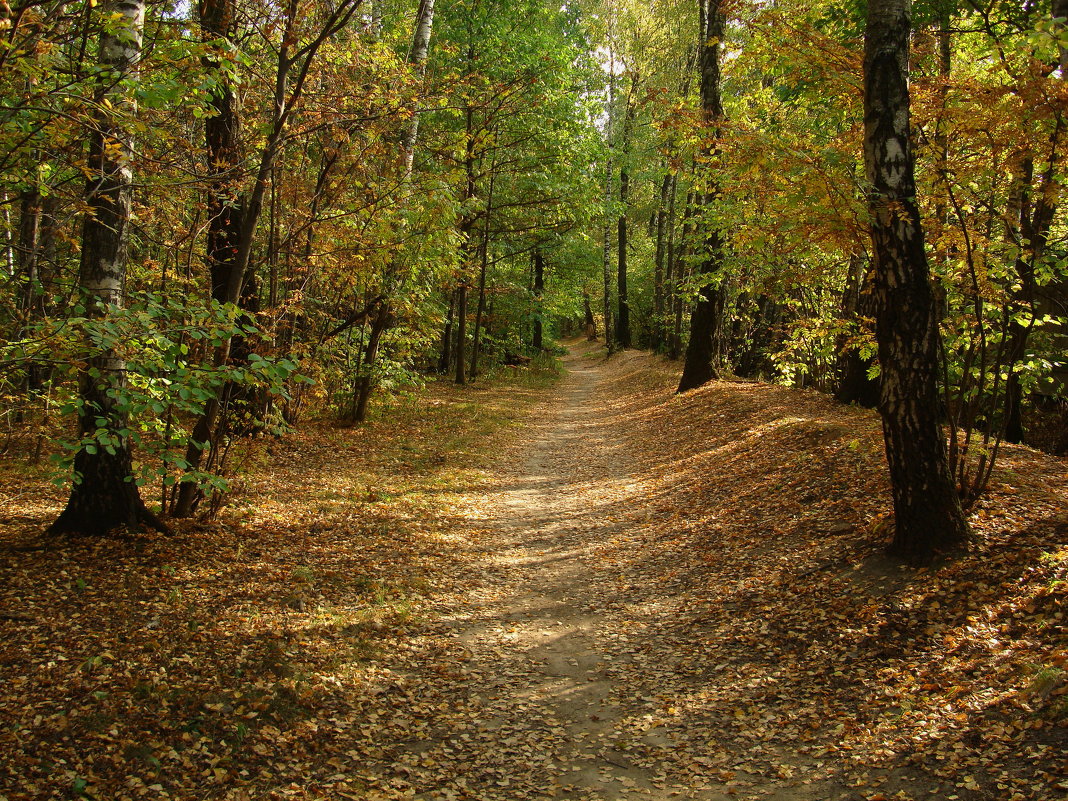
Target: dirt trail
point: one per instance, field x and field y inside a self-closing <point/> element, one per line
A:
<point x="675" y="598"/>
<point x="547" y="715"/>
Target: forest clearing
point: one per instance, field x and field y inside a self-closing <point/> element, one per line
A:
<point x="592" y="589"/>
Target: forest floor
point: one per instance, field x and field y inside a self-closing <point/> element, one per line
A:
<point x="588" y="589"/>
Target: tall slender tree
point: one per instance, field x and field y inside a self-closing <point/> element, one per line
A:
<point x="623" y="334"/>
<point x="538" y="342"/>
<point x="295" y="57"/>
<point x="104" y="495"/>
<point x="927" y="508"/>
<point x="417" y="56"/>
<point x="606" y="255"/>
<point x="707" y="310"/>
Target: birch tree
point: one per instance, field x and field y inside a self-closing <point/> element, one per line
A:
<point x="927" y="509"/>
<point x="104" y="495"/>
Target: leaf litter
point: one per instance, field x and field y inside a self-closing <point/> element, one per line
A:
<point x="597" y="591"/>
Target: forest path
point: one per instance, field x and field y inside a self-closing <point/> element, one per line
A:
<point x="544" y="713"/>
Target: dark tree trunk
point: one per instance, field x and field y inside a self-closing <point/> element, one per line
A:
<point x="445" y="360"/>
<point x="766" y="337"/>
<point x="379" y="324"/>
<point x="461" y="333"/>
<point x="854" y="384"/>
<point x="623" y="333"/>
<point x="1014" y="428"/>
<point x="606" y="254"/>
<point x="28" y="259"/>
<point x="675" y="350"/>
<point x="927" y="509"/>
<point x="698" y="367"/>
<point x="659" y="260"/>
<point x="622" y="300"/>
<point x="589" y="322"/>
<point x="483" y="269"/>
<point x="293" y="58"/>
<point x="679" y="253"/>
<point x="537" y="342"/>
<point x="104" y="495"/>
<point x="222" y="133"/>
<point x="1035" y="217"/>
<point x="468" y="247"/>
<point x="480" y="309"/>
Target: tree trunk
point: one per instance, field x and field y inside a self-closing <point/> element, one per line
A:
<point x="226" y="214"/>
<point x="483" y="269"/>
<point x="927" y="508"/>
<point x="589" y="323"/>
<point x="698" y="367"/>
<point x="367" y="382"/>
<point x="678" y="253"/>
<point x="623" y="335"/>
<point x="606" y="256"/>
<point x="854" y="384"/>
<point x="424" y="23"/>
<point x="1032" y="236"/>
<point x="461" y="333"/>
<point x="417" y="55"/>
<point x="622" y="300"/>
<point x="445" y="360"/>
<point x="753" y="352"/>
<point x="104" y="495"/>
<point x="290" y="78"/>
<point x="28" y="259"/>
<point x="222" y="133"/>
<point x="537" y="342"/>
<point x="660" y="259"/>
<point x="480" y="308"/>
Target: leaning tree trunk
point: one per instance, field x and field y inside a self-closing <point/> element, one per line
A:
<point x="417" y="55"/>
<point x="927" y="508"/>
<point x="366" y="381"/>
<point x="698" y="367"/>
<point x="104" y="495"/>
<point x="293" y="60"/>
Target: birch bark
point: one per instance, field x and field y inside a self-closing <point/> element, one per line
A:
<point x="928" y="516"/>
<point x="104" y="495"/>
